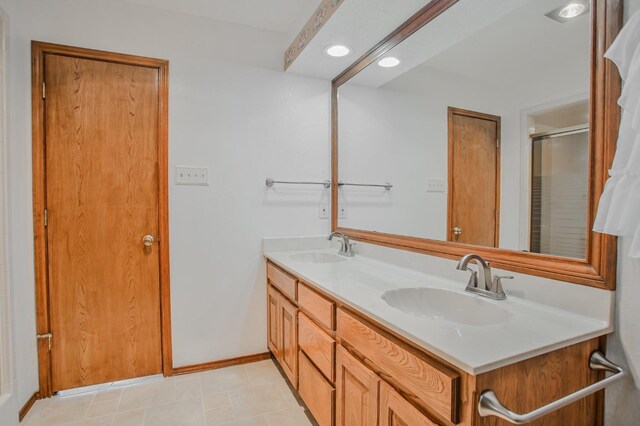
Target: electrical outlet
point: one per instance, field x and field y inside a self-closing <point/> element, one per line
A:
<point x="324" y="211"/>
<point x="192" y="176"/>
<point x="342" y="212"/>
<point x="436" y="185"/>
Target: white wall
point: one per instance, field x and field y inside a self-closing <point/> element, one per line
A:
<point x="8" y="400"/>
<point x="232" y="110"/>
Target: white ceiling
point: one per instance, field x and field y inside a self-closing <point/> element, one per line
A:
<point x="274" y="15"/>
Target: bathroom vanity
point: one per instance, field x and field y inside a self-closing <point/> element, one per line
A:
<point x="365" y="342"/>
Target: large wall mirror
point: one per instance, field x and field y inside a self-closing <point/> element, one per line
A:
<point x="483" y="126"/>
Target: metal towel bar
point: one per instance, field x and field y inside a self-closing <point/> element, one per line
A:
<point x="269" y="182"/>
<point x="386" y="186"/>
<point x="490" y="405"/>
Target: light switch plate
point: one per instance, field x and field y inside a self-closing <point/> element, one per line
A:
<point x="323" y="211"/>
<point x="436" y="185"/>
<point x="198" y="176"/>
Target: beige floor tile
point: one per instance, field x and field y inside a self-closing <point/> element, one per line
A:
<point x="224" y="379"/>
<point x="147" y="394"/>
<point x="99" y="421"/>
<point x="100" y="409"/>
<point x="55" y="411"/>
<point x="216" y="400"/>
<point x="253" y="421"/>
<point x="219" y="416"/>
<point x="130" y="418"/>
<point x="290" y="417"/>
<point x="188" y="389"/>
<point x="262" y="372"/>
<point x="257" y="400"/>
<point x="108" y="395"/>
<point x="288" y="395"/>
<point x="189" y="412"/>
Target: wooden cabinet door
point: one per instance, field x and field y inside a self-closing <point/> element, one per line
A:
<point x="273" y="327"/>
<point x="289" y="331"/>
<point x="397" y="411"/>
<point x="356" y="392"/>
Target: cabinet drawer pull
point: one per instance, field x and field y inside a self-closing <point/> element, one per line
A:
<point x="490" y="405"/>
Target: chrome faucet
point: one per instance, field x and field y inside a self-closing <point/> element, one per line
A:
<point x="481" y="282"/>
<point x="346" y="248"/>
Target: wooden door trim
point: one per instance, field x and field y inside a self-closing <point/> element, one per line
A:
<point x="451" y="111"/>
<point x="599" y="268"/>
<point x="43" y="322"/>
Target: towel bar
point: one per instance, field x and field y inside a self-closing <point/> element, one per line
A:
<point x="490" y="405"/>
<point x="269" y="182"/>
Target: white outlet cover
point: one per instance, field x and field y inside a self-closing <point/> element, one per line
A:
<point x="436" y="185"/>
<point x="323" y="211"/>
<point x="188" y="175"/>
<point x="342" y="212"/>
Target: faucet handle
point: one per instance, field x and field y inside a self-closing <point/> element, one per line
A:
<point x="496" y="286"/>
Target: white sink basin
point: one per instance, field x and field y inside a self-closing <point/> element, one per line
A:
<point x="317" y="258"/>
<point x="447" y="305"/>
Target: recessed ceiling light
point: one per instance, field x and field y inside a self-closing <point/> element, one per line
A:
<point x="389" y="62"/>
<point x="338" y="50"/>
<point x="570" y="10"/>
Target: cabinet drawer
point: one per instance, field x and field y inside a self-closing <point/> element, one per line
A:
<point x="317" y="345"/>
<point x="434" y="384"/>
<point x="395" y="410"/>
<point x="315" y="391"/>
<point x="283" y="281"/>
<point x="318" y="307"/>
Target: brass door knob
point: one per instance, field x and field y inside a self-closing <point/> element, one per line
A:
<point x="148" y="240"/>
<point x="456" y="232"/>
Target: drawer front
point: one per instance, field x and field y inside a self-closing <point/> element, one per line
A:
<point x="283" y="281"/>
<point x="434" y="384"/>
<point x="317" y="345"/>
<point x="315" y="391"/>
<point x="320" y="308"/>
<point x="395" y="410"/>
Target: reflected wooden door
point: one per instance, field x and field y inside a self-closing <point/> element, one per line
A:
<point x="102" y="199"/>
<point x="474" y="178"/>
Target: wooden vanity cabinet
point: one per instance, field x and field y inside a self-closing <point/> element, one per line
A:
<point x="351" y="371"/>
<point x="397" y="411"/>
<point x="357" y="390"/>
<point x="282" y="333"/>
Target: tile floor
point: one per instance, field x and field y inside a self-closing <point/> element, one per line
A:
<point x="247" y="395"/>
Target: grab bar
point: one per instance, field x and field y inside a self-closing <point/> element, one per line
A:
<point x="490" y="405"/>
<point x="386" y="186"/>
<point x="269" y="182"/>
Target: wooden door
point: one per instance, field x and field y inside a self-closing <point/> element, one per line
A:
<point x="102" y="195"/>
<point x="356" y="392"/>
<point x="273" y="322"/>
<point x="289" y="332"/>
<point x="397" y="411"/>
<point x="474" y="178"/>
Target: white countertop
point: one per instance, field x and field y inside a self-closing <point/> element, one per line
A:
<point x="531" y="328"/>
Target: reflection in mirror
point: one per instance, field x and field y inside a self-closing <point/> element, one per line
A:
<point x="480" y="125"/>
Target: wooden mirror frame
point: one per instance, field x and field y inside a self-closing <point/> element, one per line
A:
<point x="599" y="267"/>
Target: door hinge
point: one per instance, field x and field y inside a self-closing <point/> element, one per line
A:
<point x="44" y="90"/>
<point x="46" y="218"/>
<point x="497" y="143"/>
<point x="47" y="336"/>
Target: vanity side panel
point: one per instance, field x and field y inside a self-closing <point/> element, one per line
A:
<point x="532" y="383"/>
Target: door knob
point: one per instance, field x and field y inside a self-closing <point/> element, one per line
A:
<point x="148" y="240"/>
<point x="457" y="231"/>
